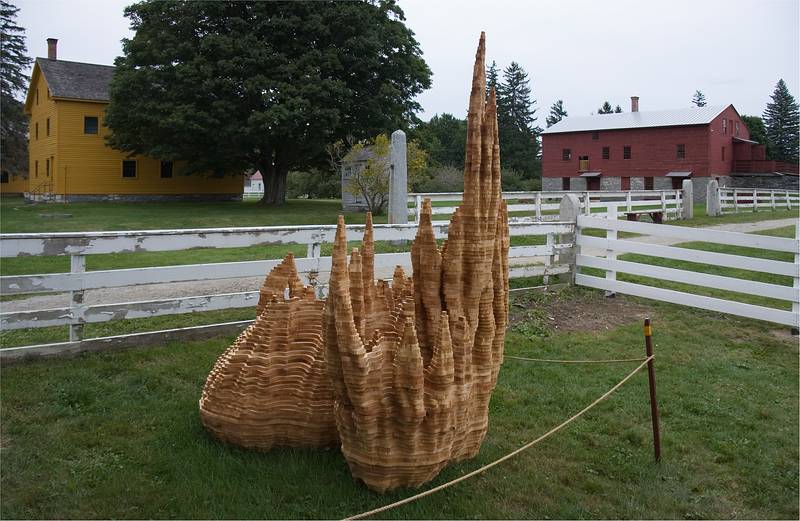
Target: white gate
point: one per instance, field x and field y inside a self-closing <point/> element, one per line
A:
<point x="601" y="253"/>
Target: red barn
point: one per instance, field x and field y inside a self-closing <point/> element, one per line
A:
<point x="656" y="150"/>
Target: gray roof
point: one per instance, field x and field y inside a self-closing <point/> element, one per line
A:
<point x="657" y="118"/>
<point x="77" y="80"/>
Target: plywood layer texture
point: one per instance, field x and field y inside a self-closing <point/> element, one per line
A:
<point x="400" y="374"/>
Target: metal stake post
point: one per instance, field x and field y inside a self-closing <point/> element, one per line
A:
<point x="651" y="376"/>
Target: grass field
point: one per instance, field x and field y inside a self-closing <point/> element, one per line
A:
<point x="118" y="435"/>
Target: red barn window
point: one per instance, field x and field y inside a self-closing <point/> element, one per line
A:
<point x="648" y="183"/>
<point x="606" y="152"/>
<point x="566" y="154"/>
<point x="626" y="152"/>
<point x="680" y="152"/>
<point x="565" y="183"/>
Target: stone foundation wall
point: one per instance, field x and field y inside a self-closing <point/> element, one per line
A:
<point x="551" y="184"/>
<point x="765" y="181"/>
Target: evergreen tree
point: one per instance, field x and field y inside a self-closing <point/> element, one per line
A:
<point x="699" y="98"/>
<point x="755" y="127"/>
<point x="492" y="75"/>
<point x="13" y="81"/>
<point x="443" y="138"/>
<point x="516" y="118"/>
<point x="557" y="113"/>
<point x="617" y="109"/>
<point x="782" y="122"/>
<point x="230" y="85"/>
<point x="605" y="109"/>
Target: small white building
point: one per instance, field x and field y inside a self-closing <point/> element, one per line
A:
<point x="254" y="184"/>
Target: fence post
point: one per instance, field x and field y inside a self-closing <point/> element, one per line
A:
<point x="713" y="198"/>
<point x="772" y="199"/>
<point x="651" y="377"/>
<point x="549" y="259"/>
<point x="628" y="201"/>
<point x="77" y="264"/>
<point x="686" y="199"/>
<point x="417" y="208"/>
<point x="588" y="199"/>
<point x="796" y="280"/>
<point x="664" y="204"/>
<point x="568" y="211"/>
<point x="755" y="200"/>
<point x="788" y="201"/>
<point x="539" y="208"/>
<point x="398" y="179"/>
<point x="611" y="235"/>
<point x="735" y="201"/>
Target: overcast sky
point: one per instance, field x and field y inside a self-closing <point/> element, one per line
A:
<point x="583" y="52"/>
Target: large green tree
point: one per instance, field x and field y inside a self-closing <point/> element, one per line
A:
<point x="516" y="119"/>
<point x="13" y="82"/>
<point x="557" y="113"/>
<point x="229" y="85"/>
<point x="782" y="122"/>
<point x="444" y="138"/>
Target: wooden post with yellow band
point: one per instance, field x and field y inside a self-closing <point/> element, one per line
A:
<point x="651" y="375"/>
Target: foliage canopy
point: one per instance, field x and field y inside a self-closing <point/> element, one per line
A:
<point x="230" y="86"/>
<point x="13" y="81"/>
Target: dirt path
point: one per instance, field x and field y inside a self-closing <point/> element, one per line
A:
<point x="187" y="289"/>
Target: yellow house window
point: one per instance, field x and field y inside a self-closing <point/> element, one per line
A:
<point x="47" y="168"/>
<point x="37" y="96"/>
<point x="48" y="127"/>
<point x="36" y="169"/>
<point x="129" y="169"/>
<point x="90" y="125"/>
<point x="166" y="170"/>
<point x="37" y="130"/>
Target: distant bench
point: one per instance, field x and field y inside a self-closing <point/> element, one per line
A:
<point x="656" y="215"/>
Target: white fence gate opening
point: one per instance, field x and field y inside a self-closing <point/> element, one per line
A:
<point x="602" y="253"/>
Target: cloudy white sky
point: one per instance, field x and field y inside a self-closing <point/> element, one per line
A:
<point x="581" y="51"/>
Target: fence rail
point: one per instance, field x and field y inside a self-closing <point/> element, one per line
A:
<point x="612" y="246"/>
<point x="543" y="206"/>
<point x="735" y="200"/>
<point x="535" y="260"/>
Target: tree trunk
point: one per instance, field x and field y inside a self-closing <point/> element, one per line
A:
<point x="275" y="182"/>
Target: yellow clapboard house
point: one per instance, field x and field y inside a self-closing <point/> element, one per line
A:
<point x="68" y="155"/>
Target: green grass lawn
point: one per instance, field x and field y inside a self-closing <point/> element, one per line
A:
<point x="118" y="435"/>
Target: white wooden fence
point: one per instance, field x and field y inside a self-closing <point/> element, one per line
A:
<point x="543" y="206"/>
<point x="605" y="258"/>
<point x="735" y="200"/>
<point x="536" y="260"/>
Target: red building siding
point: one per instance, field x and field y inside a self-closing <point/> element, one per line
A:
<point x="720" y="137"/>
<point x="654" y="150"/>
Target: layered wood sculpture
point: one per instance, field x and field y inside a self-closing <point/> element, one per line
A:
<point x="412" y="389"/>
<point x="400" y="374"/>
<point x="270" y="388"/>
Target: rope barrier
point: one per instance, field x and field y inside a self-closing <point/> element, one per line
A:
<point x="507" y="456"/>
<point x="575" y="361"/>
